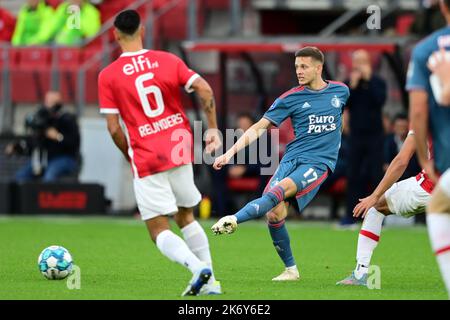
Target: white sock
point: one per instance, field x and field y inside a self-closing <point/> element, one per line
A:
<point x="197" y="241"/>
<point x="294" y="267"/>
<point x="368" y="240"/>
<point x="174" y="248"/>
<point x="439" y="232"/>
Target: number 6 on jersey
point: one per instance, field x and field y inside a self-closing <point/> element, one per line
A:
<point x="145" y="91"/>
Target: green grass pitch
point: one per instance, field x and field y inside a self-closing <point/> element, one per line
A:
<point x="118" y="261"/>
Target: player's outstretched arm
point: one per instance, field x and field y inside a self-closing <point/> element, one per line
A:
<point x="206" y="94"/>
<point x="418" y="100"/>
<point x="116" y="132"/>
<point x="395" y="170"/>
<point x="252" y="134"/>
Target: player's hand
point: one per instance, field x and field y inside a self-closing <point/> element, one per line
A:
<point x="213" y="141"/>
<point x="221" y="161"/>
<point x="364" y="205"/>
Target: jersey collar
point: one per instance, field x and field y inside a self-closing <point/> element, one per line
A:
<point x="321" y="89"/>
<point x="134" y="53"/>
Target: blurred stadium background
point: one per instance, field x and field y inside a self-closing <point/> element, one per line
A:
<point x="244" y="48"/>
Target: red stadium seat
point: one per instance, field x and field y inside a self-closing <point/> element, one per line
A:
<point x="68" y="62"/>
<point x="35" y="57"/>
<point x="30" y="77"/>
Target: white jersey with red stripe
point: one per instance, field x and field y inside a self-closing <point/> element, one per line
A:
<point x="143" y="87"/>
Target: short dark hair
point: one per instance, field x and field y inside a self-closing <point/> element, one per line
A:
<point x="312" y="52"/>
<point x="447" y="3"/>
<point x="128" y="22"/>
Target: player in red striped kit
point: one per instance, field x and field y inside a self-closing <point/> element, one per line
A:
<point x="405" y="198"/>
<point x="142" y="87"/>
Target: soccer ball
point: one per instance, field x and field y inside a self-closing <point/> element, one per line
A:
<point x="55" y="263"/>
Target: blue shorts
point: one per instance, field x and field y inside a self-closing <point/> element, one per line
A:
<point x="307" y="177"/>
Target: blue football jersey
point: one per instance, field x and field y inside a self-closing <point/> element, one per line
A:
<point x="419" y="78"/>
<point x="316" y="117"/>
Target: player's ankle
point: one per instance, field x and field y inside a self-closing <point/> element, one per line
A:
<point x="361" y="270"/>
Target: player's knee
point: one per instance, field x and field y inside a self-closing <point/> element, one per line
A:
<point x="289" y="187"/>
<point x="382" y="206"/>
<point x="439" y="202"/>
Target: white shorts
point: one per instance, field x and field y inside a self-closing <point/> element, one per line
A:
<point x="407" y="198"/>
<point x="162" y="193"/>
<point x="444" y="182"/>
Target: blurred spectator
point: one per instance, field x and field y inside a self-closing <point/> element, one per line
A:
<point x="245" y="181"/>
<point x="32" y="22"/>
<point x="74" y="21"/>
<point x="244" y="122"/>
<point x="366" y="139"/>
<point x="7" y="24"/>
<point x="394" y="143"/>
<point x="53" y="144"/>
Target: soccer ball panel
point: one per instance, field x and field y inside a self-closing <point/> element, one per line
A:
<point x="55" y="262"/>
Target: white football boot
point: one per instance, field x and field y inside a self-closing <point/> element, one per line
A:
<point x="289" y="274"/>
<point x="211" y="288"/>
<point x="225" y="225"/>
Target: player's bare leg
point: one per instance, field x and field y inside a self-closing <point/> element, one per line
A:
<point x="174" y="248"/>
<point x="197" y="241"/>
<point x="367" y="242"/>
<point x="276" y="223"/>
<point x="438" y="223"/>
<point x="286" y="188"/>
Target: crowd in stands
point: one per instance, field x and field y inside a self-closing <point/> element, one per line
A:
<point x="41" y="22"/>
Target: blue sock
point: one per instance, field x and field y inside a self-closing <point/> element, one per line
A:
<point x="281" y="242"/>
<point x="259" y="207"/>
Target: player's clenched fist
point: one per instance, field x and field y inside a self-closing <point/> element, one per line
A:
<point x="220" y="162"/>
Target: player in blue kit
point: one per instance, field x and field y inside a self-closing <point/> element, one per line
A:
<point x="315" y="108"/>
<point x="430" y="118"/>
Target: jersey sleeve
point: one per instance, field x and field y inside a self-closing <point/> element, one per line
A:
<point x="278" y="112"/>
<point x="106" y="98"/>
<point x="186" y="76"/>
<point x="418" y="73"/>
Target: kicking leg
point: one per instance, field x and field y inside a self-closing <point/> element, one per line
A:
<point x="280" y="237"/>
<point x="197" y="241"/>
<point x="286" y="188"/>
<point x="175" y="249"/>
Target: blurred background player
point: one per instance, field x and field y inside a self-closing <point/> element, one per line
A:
<point x="430" y="118"/>
<point x="406" y="198"/>
<point x="142" y="87"/>
<point x="315" y="108"/>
